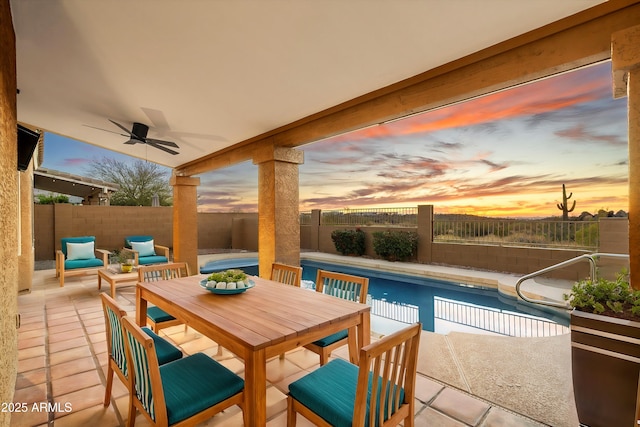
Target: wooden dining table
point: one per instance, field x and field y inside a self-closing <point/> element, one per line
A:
<point x="262" y="322"/>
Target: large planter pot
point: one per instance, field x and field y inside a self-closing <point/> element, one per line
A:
<point x="605" y="358"/>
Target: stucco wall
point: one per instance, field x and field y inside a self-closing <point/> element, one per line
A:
<point x="9" y="204"/>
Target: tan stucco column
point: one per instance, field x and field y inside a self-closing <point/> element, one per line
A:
<point x="625" y="58"/>
<point x="278" y="210"/>
<point x="185" y="220"/>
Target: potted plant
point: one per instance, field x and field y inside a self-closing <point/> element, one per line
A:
<point x="124" y="258"/>
<point x="605" y="350"/>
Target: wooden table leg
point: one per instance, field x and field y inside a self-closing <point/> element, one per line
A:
<point x="255" y="388"/>
<point x="113" y="289"/>
<point x="141" y="309"/>
<point x="99" y="281"/>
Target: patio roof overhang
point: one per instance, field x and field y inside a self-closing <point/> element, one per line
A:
<point x="220" y="78"/>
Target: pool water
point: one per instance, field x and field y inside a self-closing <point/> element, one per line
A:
<point x="440" y="305"/>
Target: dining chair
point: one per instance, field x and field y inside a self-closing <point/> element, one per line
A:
<point x="184" y="392"/>
<point x="113" y="313"/>
<point x="156" y="317"/>
<point x="345" y="286"/>
<point x="380" y="388"/>
<point x="287" y="274"/>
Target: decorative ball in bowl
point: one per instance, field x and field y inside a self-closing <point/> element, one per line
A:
<point x="227" y="282"/>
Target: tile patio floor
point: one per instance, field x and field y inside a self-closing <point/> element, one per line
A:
<point x="62" y="358"/>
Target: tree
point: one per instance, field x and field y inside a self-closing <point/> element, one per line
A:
<point x="138" y="181"/>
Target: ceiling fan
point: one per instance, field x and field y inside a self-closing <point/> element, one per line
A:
<point x="138" y="135"/>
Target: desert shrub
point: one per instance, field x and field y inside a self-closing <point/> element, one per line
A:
<point x="49" y="199"/>
<point x="349" y="242"/>
<point x="395" y="245"/>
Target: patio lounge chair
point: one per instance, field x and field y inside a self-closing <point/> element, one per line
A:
<point x="156" y="317"/>
<point x="379" y="392"/>
<point x="345" y="286"/>
<point x="113" y="315"/>
<point x="185" y="392"/>
<point x="77" y="256"/>
<point x="144" y="251"/>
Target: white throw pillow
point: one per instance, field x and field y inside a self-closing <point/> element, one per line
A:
<point x="80" y="251"/>
<point x="143" y="248"/>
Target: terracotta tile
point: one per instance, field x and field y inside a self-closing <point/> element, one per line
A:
<point x="28" y="353"/>
<point x="100" y="347"/>
<point x="426" y="389"/>
<point x="82" y="399"/>
<point x="26" y="365"/>
<point x="94" y="329"/>
<point x="67" y="355"/>
<point x="65" y="327"/>
<point x="98" y="337"/>
<point x="93" y="416"/>
<point x="35" y="333"/>
<point x="66" y="385"/>
<point x="31" y="378"/>
<point x="97" y="314"/>
<point x="35" y="393"/>
<point x="66" y="335"/>
<point x="29" y="418"/>
<point x="31" y="342"/>
<point x="67" y="344"/>
<point x="460" y="406"/>
<point x="72" y="367"/>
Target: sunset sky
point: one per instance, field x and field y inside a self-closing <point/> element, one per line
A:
<point x="506" y="154"/>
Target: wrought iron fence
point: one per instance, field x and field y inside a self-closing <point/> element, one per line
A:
<point x="495" y="320"/>
<point x="539" y="233"/>
<point x="405" y="313"/>
<point x="305" y="218"/>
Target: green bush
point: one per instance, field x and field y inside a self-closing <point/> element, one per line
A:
<point x="44" y="199"/>
<point x="348" y="242"/>
<point x="395" y="245"/>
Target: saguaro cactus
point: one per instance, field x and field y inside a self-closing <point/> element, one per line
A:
<point x="563" y="206"/>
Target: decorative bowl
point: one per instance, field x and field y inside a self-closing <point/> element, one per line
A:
<point x="226" y="291"/>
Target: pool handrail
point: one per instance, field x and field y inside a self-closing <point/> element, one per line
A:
<point x="594" y="272"/>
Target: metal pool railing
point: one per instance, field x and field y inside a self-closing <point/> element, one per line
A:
<point x="495" y="320"/>
<point x="405" y="313"/>
<point x="405" y="217"/>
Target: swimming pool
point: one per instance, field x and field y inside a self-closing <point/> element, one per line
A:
<point x="440" y="305"/>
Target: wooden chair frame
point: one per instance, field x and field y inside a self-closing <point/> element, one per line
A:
<point x="155" y="272"/>
<point x="287" y="274"/>
<point x="331" y="277"/>
<point x="391" y="362"/>
<point x="129" y="324"/>
<point x="62" y="272"/>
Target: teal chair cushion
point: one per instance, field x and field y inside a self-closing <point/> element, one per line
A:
<point x="332" y="338"/>
<point x="165" y="351"/>
<point x="83" y="263"/>
<point x="330" y="392"/>
<point x="195" y="383"/>
<point x="152" y="259"/>
<point x="158" y="315"/>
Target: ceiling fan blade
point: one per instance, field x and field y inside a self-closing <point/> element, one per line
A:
<point x="159" y="141"/>
<point x="123" y="128"/>
<point x="160" y="147"/>
<point x="106" y="130"/>
<point x="133" y="141"/>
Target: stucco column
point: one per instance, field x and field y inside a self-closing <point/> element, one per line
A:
<point x="625" y="58"/>
<point x="26" y="260"/>
<point x="278" y="210"/>
<point x="185" y="220"/>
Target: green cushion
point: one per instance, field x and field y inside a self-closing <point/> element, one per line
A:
<point x="330" y="392"/>
<point x="158" y="315"/>
<point x="195" y="383"/>
<point x="83" y="263"/>
<point x="153" y="259"/>
<point x="332" y="338"/>
<point x="165" y="351"/>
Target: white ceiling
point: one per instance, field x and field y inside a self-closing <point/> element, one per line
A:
<point x="208" y="74"/>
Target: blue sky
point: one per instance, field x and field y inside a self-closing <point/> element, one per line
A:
<point x="505" y="154"/>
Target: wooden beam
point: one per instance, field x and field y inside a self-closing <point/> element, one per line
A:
<point x="575" y="41"/>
